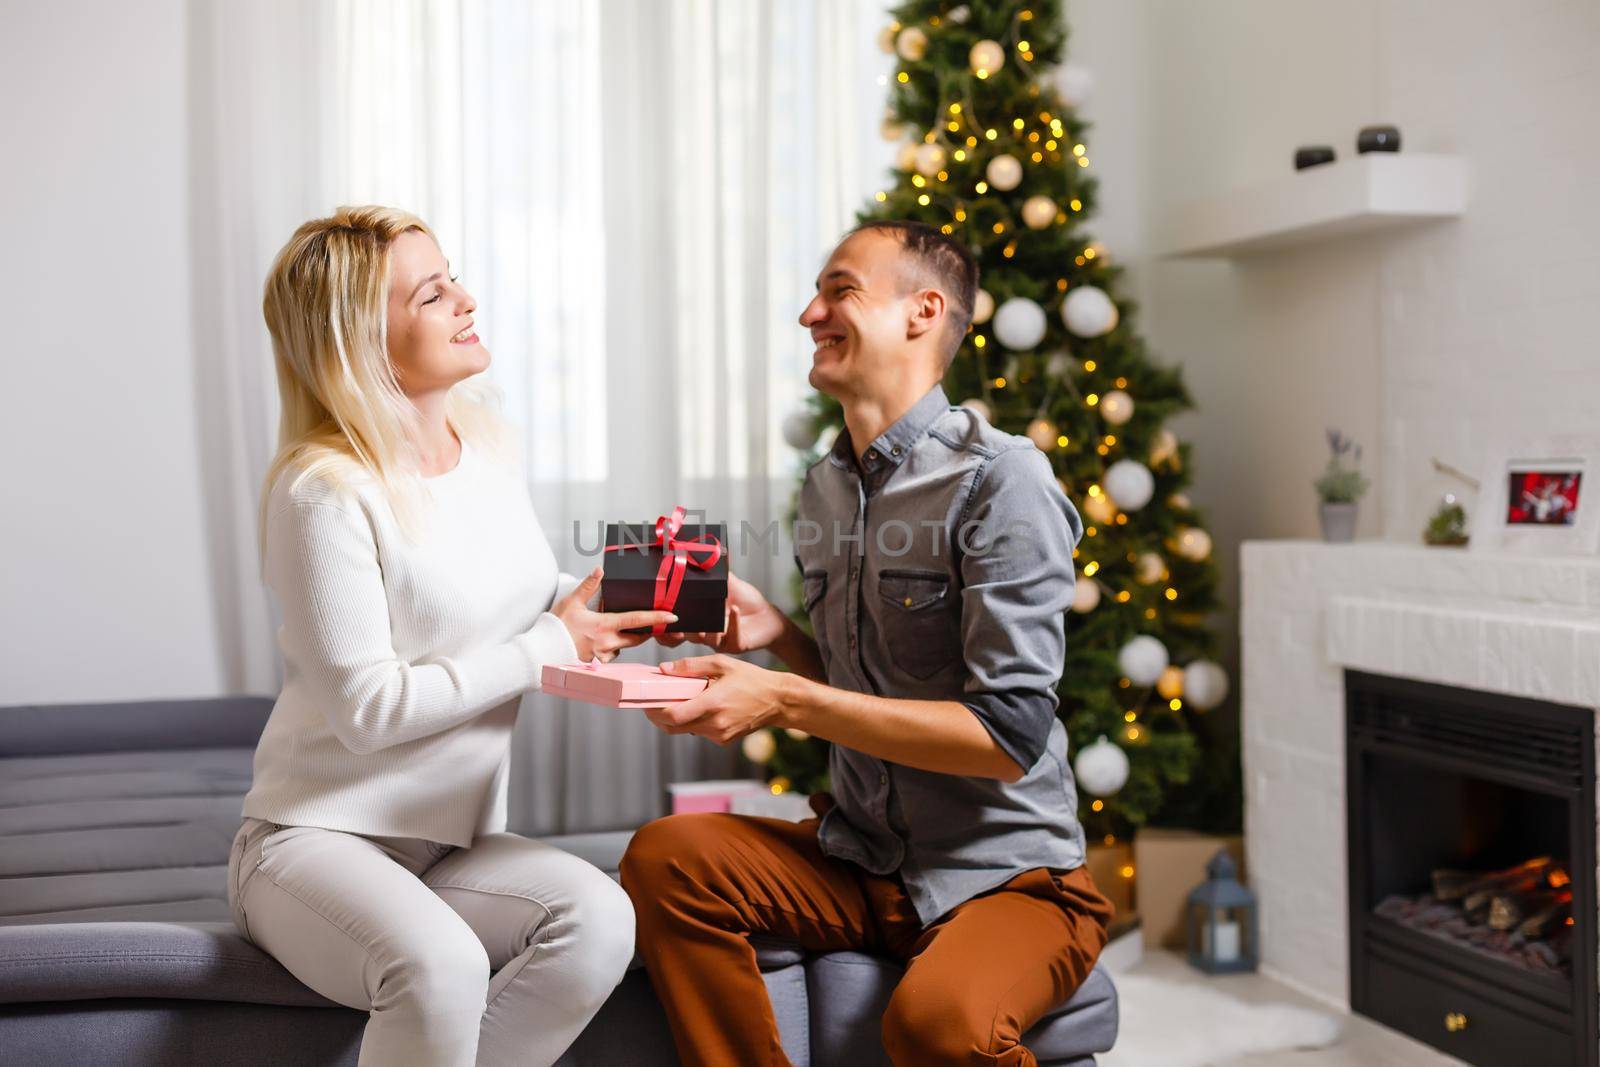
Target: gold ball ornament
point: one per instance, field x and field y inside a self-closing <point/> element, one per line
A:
<point x="1170" y="686"/>
<point x="1004" y="173"/>
<point x="912" y="44"/>
<point x="1085" y="595"/>
<point x="1116" y="407"/>
<point x="982" y="307"/>
<point x="1193" y="543"/>
<point x="977" y="405"/>
<point x="930" y="160"/>
<point x="887" y="37"/>
<point x="1152" y="568"/>
<point x="906" y="157"/>
<point x="1043" y="434"/>
<point x="892" y="130"/>
<point x="759" y="746"/>
<point x="1165" y="448"/>
<point x="1039" y="212"/>
<point x="1179" y="500"/>
<point x="1099" y="508"/>
<point x="986" y="57"/>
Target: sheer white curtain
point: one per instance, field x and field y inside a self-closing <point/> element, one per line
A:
<point x="639" y="193"/>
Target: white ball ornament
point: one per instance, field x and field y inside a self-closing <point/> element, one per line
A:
<point x="759" y="746"/>
<point x="959" y="15"/>
<point x="912" y="44"/>
<point x="1058" y="365"/>
<point x="1102" y="768"/>
<point x="1170" y="685"/>
<point x="1143" y="659"/>
<point x="1088" y="311"/>
<point x="1205" y="684"/>
<point x="982" y="307"/>
<point x="1043" y="434"/>
<point x="1194" y="543"/>
<point x="1099" y="508"/>
<point x="1180" y="501"/>
<point x="1076" y="85"/>
<point x="1085" y="595"/>
<point x="1019" y="323"/>
<point x="1116" y="407"/>
<point x="1129" y="483"/>
<point x="982" y="409"/>
<point x="800" y="430"/>
<point x="1004" y="172"/>
<point x="930" y="160"/>
<point x="1152" y="568"/>
<point x="1038" y="212"/>
<point x="905" y="157"/>
<point x="986" y="57"/>
<point x="892" y="130"/>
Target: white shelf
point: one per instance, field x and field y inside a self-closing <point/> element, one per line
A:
<point x="1372" y="191"/>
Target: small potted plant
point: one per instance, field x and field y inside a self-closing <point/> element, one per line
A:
<point x="1340" y="487"/>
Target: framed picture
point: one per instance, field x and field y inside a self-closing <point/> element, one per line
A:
<point x="1540" y="494"/>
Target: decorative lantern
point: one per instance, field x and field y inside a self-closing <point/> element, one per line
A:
<point x="1222" y="927"/>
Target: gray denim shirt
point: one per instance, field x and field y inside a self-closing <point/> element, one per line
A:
<point x="940" y="568"/>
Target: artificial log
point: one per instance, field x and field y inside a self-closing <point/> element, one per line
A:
<point x="1511" y="909"/>
<point x="1552" y="915"/>
<point x="1454" y="884"/>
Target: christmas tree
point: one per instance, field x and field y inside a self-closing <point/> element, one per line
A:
<point x="994" y="153"/>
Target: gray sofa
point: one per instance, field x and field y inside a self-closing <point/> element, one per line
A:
<point x="116" y="945"/>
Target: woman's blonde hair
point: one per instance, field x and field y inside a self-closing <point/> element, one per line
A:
<point x="343" y="412"/>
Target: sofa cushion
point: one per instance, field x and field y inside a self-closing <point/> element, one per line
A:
<point x="186" y="961"/>
<point x="111" y="836"/>
<point x="849" y="993"/>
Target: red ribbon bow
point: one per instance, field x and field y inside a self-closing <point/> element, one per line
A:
<point x="679" y="554"/>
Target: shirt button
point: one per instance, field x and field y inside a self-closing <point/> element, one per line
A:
<point x="895" y="451"/>
<point x="883" y="779"/>
<point x="906" y="602"/>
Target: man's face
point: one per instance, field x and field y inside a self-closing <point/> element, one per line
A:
<point x="864" y="318"/>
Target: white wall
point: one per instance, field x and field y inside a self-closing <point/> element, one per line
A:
<point x="1421" y="342"/>
<point x="105" y="587"/>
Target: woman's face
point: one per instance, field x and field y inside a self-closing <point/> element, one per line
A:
<point x="432" y="345"/>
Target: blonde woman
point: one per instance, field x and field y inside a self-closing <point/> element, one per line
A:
<point x="419" y="601"/>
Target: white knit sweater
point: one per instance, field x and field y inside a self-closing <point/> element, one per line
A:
<point x="404" y="663"/>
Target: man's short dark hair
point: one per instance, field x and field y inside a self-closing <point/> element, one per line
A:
<point x="938" y="262"/>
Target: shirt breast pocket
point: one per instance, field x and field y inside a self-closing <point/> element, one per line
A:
<point x="918" y="627"/>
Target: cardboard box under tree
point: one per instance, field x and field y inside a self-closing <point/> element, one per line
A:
<point x="1168" y="864"/>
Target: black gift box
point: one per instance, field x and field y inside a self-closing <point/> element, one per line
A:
<point x="629" y="583"/>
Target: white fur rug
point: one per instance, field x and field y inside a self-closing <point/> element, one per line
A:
<point x="1168" y="1023"/>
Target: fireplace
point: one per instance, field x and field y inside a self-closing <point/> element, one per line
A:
<point x="1471" y="840"/>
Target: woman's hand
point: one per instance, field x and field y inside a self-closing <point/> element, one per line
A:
<point x="752" y="624"/>
<point x="597" y="634"/>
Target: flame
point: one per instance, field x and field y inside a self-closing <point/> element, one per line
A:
<point x="1570" y="920"/>
<point x="1559" y="878"/>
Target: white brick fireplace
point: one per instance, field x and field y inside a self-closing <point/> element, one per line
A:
<point x="1520" y="625"/>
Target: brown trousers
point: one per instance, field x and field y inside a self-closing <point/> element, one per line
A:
<point x="975" y="980"/>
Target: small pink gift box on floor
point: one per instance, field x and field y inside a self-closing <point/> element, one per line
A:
<point x="715" y="796"/>
<point x="619" y="685"/>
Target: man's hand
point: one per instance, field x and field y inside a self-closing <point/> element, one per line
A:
<point x="753" y="623"/>
<point x="740" y="698"/>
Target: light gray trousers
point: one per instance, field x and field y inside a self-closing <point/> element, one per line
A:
<point x="496" y="954"/>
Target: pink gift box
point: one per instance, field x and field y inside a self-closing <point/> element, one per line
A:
<point x="717" y="796"/>
<point x="619" y="685"/>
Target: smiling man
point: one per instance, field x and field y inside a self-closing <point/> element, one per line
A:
<point x="936" y="586"/>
